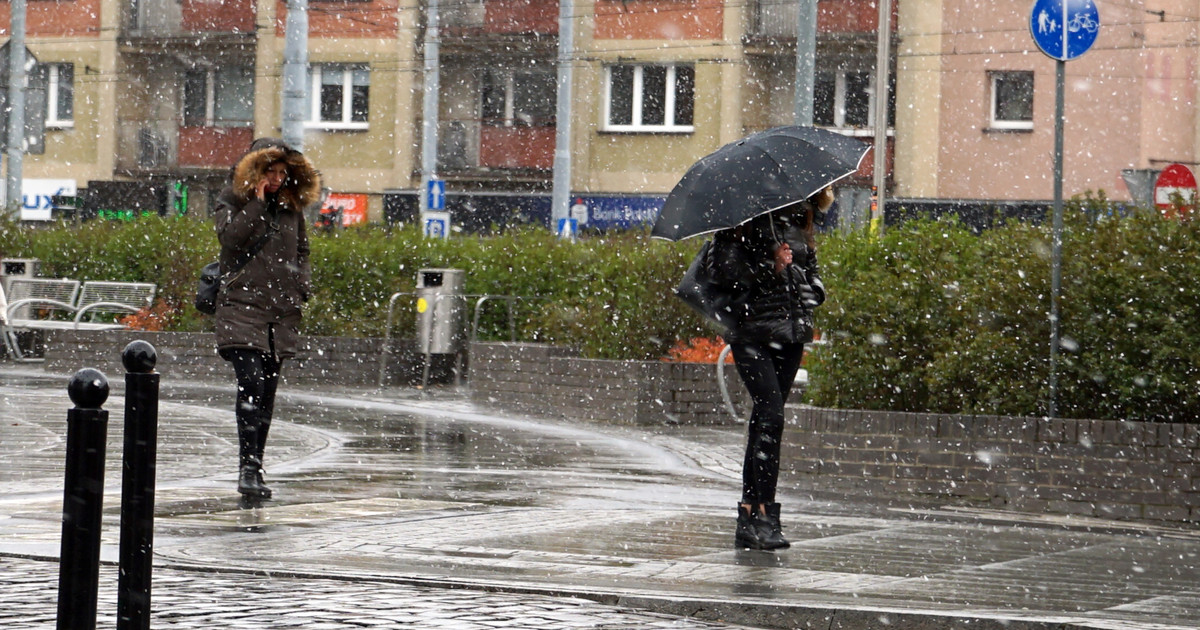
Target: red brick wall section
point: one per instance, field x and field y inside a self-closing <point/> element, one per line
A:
<point x="659" y="19"/>
<point x="227" y="16"/>
<point x="349" y="18"/>
<point x="521" y="16"/>
<point x="75" y="18"/>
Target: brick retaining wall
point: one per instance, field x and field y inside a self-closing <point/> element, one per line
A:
<point x="551" y="381"/>
<point x="1103" y="468"/>
<point x="330" y="360"/>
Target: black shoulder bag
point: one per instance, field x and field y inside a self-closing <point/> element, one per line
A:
<point x="699" y="290"/>
<point x="210" y="276"/>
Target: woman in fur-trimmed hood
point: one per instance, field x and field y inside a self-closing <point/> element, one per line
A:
<point x="264" y="258"/>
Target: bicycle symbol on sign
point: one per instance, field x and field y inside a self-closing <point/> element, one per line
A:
<point x="1082" y="21"/>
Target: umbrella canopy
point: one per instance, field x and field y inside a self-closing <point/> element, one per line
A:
<point x="755" y="175"/>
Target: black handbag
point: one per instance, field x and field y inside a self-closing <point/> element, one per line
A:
<point x="700" y="291"/>
<point x="211" y="277"/>
<point x="208" y="288"/>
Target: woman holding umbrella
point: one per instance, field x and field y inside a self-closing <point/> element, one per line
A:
<point x="769" y="265"/>
<point x="758" y="196"/>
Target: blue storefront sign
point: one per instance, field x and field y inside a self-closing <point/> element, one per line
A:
<point x="607" y="213"/>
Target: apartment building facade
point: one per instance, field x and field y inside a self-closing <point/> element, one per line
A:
<point x="158" y="92"/>
<point x="976" y="119"/>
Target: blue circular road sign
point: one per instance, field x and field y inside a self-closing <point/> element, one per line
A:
<point x="1064" y="29"/>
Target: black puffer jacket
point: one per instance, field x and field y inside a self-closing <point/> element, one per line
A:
<point x="768" y="307"/>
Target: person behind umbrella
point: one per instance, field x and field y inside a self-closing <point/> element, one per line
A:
<point x="258" y="308"/>
<point x="770" y="265"/>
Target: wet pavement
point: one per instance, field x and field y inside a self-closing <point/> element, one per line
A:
<point x="394" y="509"/>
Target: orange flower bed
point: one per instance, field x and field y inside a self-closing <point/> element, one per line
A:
<point x="697" y="350"/>
<point x="151" y="319"/>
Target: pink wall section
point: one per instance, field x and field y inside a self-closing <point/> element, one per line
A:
<point x="1130" y="101"/>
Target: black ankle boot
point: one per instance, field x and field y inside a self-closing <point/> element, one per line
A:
<point x="771" y="519"/>
<point x="266" y="491"/>
<point x="248" y="479"/>
<point x="755" y="531"/>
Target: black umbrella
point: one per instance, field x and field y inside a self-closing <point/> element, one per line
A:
<point x="757" y="174"/>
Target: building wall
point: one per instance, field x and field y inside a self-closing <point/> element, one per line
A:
<point x="59" y="32"/>
<point x="1130" y="101"/>
<point x="382" y="33"/>
<point x="655" y="32"/>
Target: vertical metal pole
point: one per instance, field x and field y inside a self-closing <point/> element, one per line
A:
<point x="295" y="74"/>
<point x="806" y="60"/>
<point x="1056" y="261"/>
<point x="137" y="486"/>
<point x="83" y="496"/>
<point x="561" y="186"/>
<point x="882" y="66"/>
<point x="17" y="82"/>
<point x="429" y="102"/>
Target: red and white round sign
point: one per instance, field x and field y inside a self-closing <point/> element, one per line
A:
<point x="1176" y="184"/>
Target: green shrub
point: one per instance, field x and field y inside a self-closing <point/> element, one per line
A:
<point x="933" y="318"/>
<point x="608" y="296"/>
<point x="930" y="317"/>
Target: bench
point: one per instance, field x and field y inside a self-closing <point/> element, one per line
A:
<point x="46" y="304"/>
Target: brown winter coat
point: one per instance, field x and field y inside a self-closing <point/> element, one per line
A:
<point x="261" y="303"/>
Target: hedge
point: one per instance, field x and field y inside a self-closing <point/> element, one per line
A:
<point x="934" y="318"/>
<point x="609" y="296"/>
<point x="931" y="317"/>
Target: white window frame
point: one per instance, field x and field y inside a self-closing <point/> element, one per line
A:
<point x="994" y="104"/>
<point x="636" y="125"/>
<point x="210" y="102"/>
<point x="314" y="97"/>
<point x="52" y="87"/>
<point x="509" y="82"/>
<point x="839" y="103"/>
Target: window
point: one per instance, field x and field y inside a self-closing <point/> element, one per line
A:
<point x="519" y="98"/>
<point x="1012" y="100"/>
<point x="844" y="99"/>
<point x="339" y="96"/>
<point x="60" y="95"/>
<point x="218" y="97"/>
<point x="650" y="98"/>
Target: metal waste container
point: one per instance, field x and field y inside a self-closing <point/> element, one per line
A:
<point x="11" y="268"/>
<point x="440" y="311"/>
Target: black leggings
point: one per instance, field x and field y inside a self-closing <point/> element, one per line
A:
<point x="768" y="371"/>
<point x="257" y="377"/>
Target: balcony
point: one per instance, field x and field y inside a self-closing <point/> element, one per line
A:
<point x="159" y="147"/>
<point x="470" y="149"/>
<point x="499" y="18"/>
<point x="194" y="22"/>
<point x="777" y="20"/>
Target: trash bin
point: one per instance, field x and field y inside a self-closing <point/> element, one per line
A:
<point x="17" y="268"/>
<point x="440" y="311"/>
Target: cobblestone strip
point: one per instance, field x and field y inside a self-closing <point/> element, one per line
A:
<point x="185" y="600"/>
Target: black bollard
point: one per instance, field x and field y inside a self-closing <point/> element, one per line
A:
<point x="137" y="486"/>
<point x="79" y="561"/>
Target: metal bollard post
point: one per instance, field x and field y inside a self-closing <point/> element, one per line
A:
<point x="79" y="560"/>
<point x="137" y="486"/>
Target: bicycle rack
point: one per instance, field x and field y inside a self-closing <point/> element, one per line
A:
<point x="723" y="387"/>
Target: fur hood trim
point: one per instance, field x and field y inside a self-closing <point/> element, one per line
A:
<point x="302" y="188"/>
